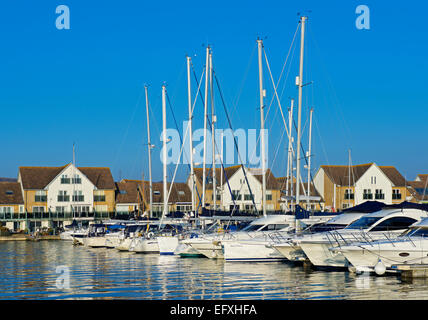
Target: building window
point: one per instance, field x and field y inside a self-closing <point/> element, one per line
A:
<point x="379" y="195"/>
<point x="65" y="179"/>
<point x="78" y="196"/>
<point x="99" y="196"/>
<point x="218" y="197"/>
<point x="396" y="194"/>
<point x="236" y="195"/>
<point x="63" y="197"/>
<point x="102" y="208"/>
<point x="6" y="209"/>
<point x="76" y="179"/>
<point x="349" y="195"/>
<point x="60" y="209"/>
<point x="367" y="195"/>
<point x="268" y="197"/>
<point x="248" y="197"/>
<point x="41" y="196"/>
<point x="38" y="209"/>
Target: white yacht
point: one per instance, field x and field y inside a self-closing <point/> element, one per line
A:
<point x="96" y="236"/>
<point x="386" y="223"/>
<point x="290" y="248"/>
<point x="409" y="248"/>
<point x="210" y="245"/>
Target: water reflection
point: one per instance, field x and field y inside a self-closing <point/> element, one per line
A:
<point x="28" y="271"/>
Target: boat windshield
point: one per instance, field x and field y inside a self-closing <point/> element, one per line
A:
<point x="363" y="223"/>
<point x="419" y="232"/>
<point x="323" y="227"/>
<point x="252" y="227"/>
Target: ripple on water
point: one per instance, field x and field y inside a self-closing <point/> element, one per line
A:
<point x="28" y="271"/>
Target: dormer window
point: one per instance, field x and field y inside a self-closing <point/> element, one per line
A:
<point x="122" y="192"/>
<point x="9" y="192"/>
<point x="156" y="192"/>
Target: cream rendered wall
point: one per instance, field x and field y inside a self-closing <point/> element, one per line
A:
<point x="55" y="186"/>
<point x="365" y="182"/>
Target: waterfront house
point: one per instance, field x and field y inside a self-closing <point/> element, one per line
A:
<point x="312" y="201"/>
<point x="180" y="198"/>
<point x="128" y="197"/>
<point x="419" y="188"/>
<point x="54" y="196"/>
<point x="11" y="204"/>
<point x="344" y="186"/>
<point x="233" y="190"/>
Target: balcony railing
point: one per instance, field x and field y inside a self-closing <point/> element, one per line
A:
<point x="368" y="196"/>
<point x="379" y="196"/>
<point x="396" y="196"/>
<point x="349" y="196"/>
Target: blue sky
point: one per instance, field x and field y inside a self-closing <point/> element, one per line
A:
<point x="85" y="85"/>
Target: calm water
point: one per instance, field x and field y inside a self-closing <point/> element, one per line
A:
<point x="28" y="271"/>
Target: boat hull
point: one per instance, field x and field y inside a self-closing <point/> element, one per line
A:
<point x="167" y="245"/>
<point x="250" y="251"/>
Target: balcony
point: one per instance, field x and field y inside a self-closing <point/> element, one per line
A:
<point x="380" y="196"/>
<point x="367" y="196"/>
<point x="349" y="196"/>
<point x="396" y="196"/>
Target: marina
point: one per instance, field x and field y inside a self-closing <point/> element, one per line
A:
<point x="236" y="181"/>
<point x="28" y="271"/>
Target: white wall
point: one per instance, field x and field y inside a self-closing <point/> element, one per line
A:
<point x="235" y="184"/>
<point x="55" y="186"/>
<point x="319" y="182"/>
<point x="365" y="182"/>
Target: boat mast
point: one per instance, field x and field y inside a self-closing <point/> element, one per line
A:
<point x="299" y="82"/>
<point x="213" y="120"/>
<point x="290" y="154"/>
<point x="262" y="118"/>
<point x="205" y="127"/>
<point x="189" y="97"/>
<point x="309" y="158"/>
<point x="165" y="189"/>
<point x="149" y="147"/>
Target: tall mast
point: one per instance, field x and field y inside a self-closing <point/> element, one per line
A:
<point x="189" y="98"/>
<point x="213" y="120"/>
<point x="299" y="114"/>
<point x="165" y="189"/>
<point x="309" y="158"/>
<point x="262" y="125"/>
<point x="149" y="147"/>
<point x="290" y="151"/>
<point x="205" y="126"/>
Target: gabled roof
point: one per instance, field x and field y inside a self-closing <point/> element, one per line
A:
<point x="340" y="174"/>
<point x="36" y="178"/>
<point x="127" y="191"/>
<point x="180" y="192"/>
<point x="394" y="176"/>
<point x="228" y="172"/>
<point x="422" y="177"/>
<point x="100" y="177"/>
<point x="10" y="193"/>
<point x="271" y="182"/>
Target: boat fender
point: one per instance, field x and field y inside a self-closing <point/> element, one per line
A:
<point x="380" y="268"/>
<point x="150" y="235"/>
